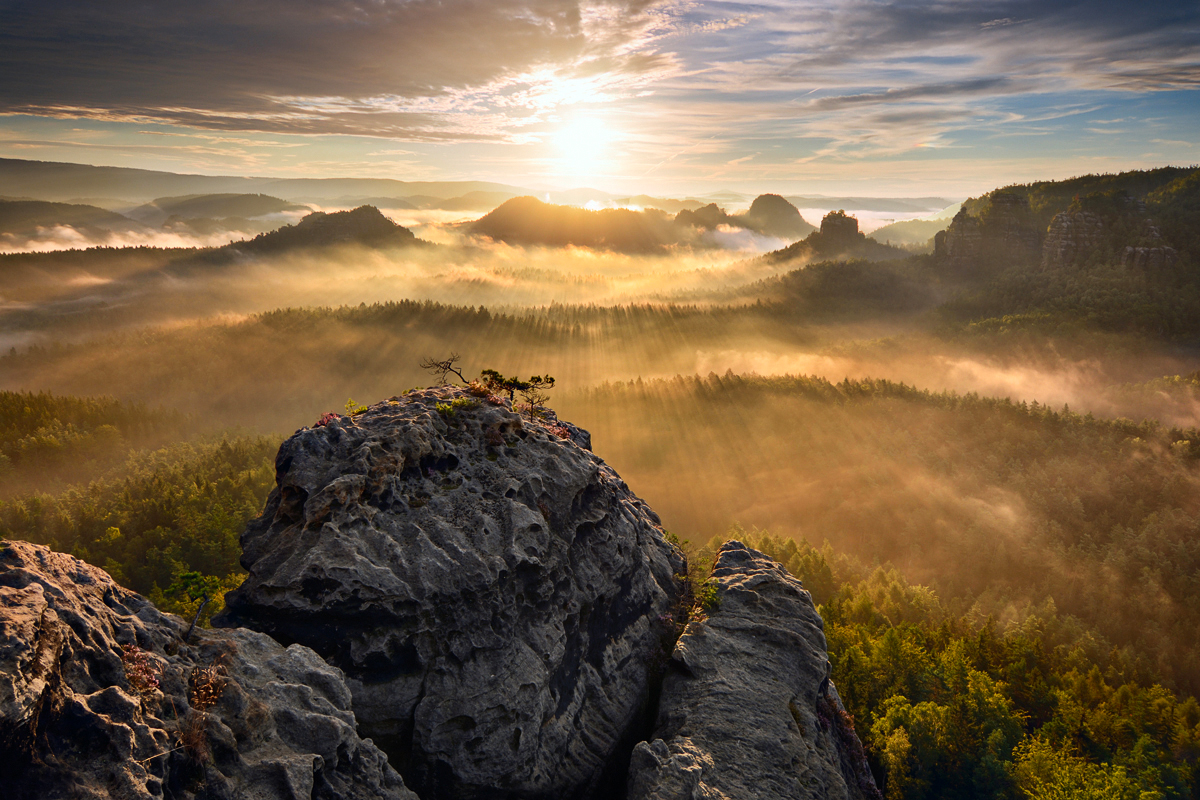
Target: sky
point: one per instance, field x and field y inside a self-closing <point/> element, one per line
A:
<point x="878" y="98"/>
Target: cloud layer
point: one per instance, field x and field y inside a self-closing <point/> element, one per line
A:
<point x="723" y="86"/>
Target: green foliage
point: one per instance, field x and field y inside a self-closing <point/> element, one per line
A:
<point x="949" y="705"/>
<point x="1046" y="772"/>
<point x="352" y="407"/>
<point x="708" y="597"/>
<point x="451" y="409"/>
<point x="190" y="590"/>
<point x="532" y="390"/>
<point x="51" y="440"/>
<point x="164" y="513"/>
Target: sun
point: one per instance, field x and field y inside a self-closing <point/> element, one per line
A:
<point x="583" y="145"/>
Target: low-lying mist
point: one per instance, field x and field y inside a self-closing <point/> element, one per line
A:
<point x="276" y="371"/>
<point x="181" y="286"/>
<point x="994" y="504"/>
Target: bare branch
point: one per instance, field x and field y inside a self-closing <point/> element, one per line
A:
<point x="443" y="368"/>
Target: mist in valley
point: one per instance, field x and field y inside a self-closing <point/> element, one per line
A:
<point x="989" y="438"/>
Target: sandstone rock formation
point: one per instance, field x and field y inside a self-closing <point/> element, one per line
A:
<point x="1149" y="257"/>
<point x="1002" y="235"/>
<point x="1070" y="237"/>
<point x="497" y="596"/>
<point x="99" y="697"/>
<point x="1152" y="252"/>
<point x="839" y="229"/>
<point x="747" y="709"/>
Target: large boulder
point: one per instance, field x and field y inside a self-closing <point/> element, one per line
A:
<point x="747" y="709"/>
<point x="101" y="697"/>
<point x="496" y="595"/>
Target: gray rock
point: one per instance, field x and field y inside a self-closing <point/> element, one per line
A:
<point x="496" y="595"/>
<point x="76" y="722"/>
<point x="1002" y="235"/>
<point x="1149" y="258"/>
<point x="747" y="709"/>
<point x="1072" y="235"/>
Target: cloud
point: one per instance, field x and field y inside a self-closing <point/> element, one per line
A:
<point x="686" y="85"/>
<point x="976" y="86"/>
<point x="421" y="69"/>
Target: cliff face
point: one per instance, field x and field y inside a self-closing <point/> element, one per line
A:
<point x="495" y="593"/>
<point x="1002" y="235"/>
<point x="1071" y="236"/>
<point x="747" y="709"/>
<point x="1118" y="223"/>
<point x="100" y="697"/>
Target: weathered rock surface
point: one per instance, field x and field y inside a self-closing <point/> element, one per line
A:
<point x="1070" y="237"/>
<point x="1002" y="235"/>
<point x="74" y="724"/>
<point x="495" y="593"/>
<point x="747" y="710"/>
<point x="1144" y="258"/>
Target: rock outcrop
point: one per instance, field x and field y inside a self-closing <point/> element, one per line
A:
<point x="1002" y="235"/>
<point x="1143" y="258"/>
<point x="747" y="710"/>
<point x="839" y="229"/>
<point x="1112" y="220"/>
<point x="495" y="593"/>
<point x="100" y="697"/>
<point x="1070" y="237"/>
<point x="1152" y="252"/>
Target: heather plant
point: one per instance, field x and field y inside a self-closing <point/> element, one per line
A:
<point x="325" y="419"/>
<point x="205" y="687"/>
<point x="141" y="673"/>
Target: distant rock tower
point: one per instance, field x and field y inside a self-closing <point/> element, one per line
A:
<point x="837" y="226"/>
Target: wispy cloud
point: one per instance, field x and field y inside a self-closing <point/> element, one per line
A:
<point x="690" y="85"/>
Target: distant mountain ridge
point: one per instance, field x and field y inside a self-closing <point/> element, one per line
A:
<point x="365" y="225"/>
<point x="529" y="221"/>
<point x="62" y="181"/>
<point x="26" y="217"/>
<point x="769" y="214"/>
<point x="212" y="206"/>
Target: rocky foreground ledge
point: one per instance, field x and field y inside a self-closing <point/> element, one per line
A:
<point x="475" y="591"/>
<point x="100" y="697"/>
